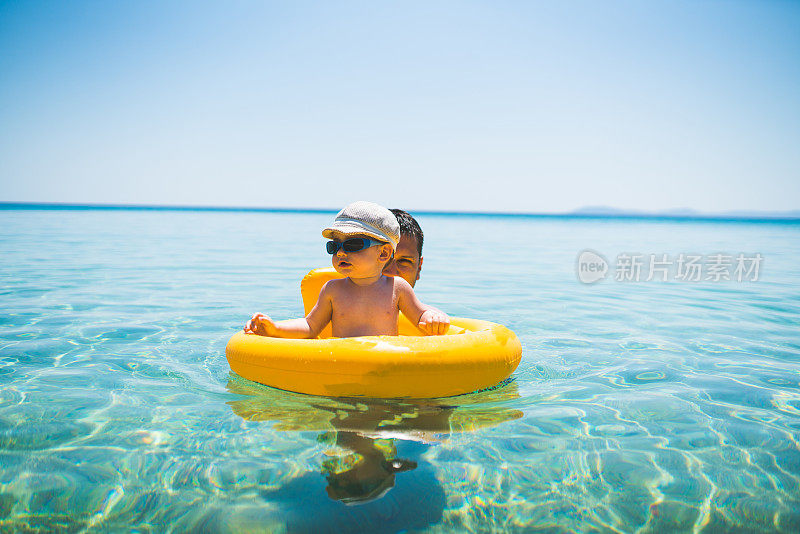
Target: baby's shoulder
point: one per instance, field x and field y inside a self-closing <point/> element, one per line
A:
<point x="400" y="285"/>
<point x="399" y="281"/>
<point x="332" y="288"/>
<point x="334" y="285"/>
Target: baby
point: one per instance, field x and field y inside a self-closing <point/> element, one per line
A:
<point x="363" y="237"/>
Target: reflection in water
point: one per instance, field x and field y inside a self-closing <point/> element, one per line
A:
<point x="367" y="472"/>
<point x="372" y="440"/>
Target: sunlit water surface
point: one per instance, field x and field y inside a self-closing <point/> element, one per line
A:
<point x="652" y="406"/>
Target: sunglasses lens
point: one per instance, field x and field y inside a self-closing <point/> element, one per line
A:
<point x="354" y="245"/>
<point x="331" y="247"/>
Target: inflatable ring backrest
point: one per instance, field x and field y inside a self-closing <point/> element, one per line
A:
<point x="312" y="284"/>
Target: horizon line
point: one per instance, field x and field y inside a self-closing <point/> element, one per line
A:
<point x="576" y="214"/>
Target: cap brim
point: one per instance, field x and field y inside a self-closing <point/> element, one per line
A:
<point x="342" y="228"/>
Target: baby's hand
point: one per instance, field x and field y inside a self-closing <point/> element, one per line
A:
<point x="259" y="324"/>
<point x="434" y="322"/>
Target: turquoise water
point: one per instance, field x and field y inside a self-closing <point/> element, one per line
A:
<point x="651" y="406"/>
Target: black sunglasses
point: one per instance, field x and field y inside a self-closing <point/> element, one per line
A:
<point x="354" y="244"/>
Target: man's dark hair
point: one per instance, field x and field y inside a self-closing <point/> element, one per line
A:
<point x="409" y="226"/>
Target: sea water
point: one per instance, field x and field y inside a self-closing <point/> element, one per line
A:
<point x="660" y="405"/>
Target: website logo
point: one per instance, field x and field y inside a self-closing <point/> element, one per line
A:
<point x="591" y="267"/>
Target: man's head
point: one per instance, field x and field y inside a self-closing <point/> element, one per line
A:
<point x="407" y="261"/>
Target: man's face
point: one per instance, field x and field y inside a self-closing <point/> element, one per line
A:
<point x="407" y="262"/>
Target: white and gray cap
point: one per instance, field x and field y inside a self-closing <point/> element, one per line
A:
<point x="365" y="218"/>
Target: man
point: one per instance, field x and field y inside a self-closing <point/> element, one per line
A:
<point x="407" y="262"/>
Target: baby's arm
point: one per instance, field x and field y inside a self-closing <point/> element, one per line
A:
<point x="263" y="325"/>
<point x="430" y="320"/>
<point x="304" y="328"/>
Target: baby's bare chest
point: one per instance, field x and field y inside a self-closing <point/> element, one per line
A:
<point x="362" y="312"/>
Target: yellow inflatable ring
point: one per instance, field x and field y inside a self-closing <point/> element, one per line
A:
<point x="473" y="355"/>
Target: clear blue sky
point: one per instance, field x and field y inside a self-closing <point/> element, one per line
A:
<point x="462" y="105"/>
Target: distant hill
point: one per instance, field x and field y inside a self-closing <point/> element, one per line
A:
<point x="587" y="211"/>
<point x="608" y="211"/>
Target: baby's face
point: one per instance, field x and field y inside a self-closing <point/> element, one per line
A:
<point x="364" y="263"/>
